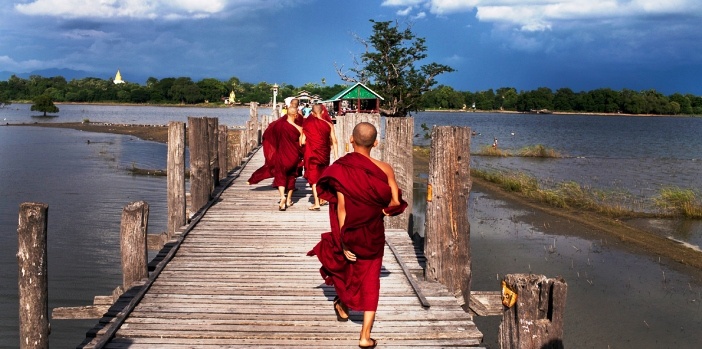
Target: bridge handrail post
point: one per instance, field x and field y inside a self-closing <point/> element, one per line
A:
<point x="133" y="244"/>
<point x="447" y="229"/>
<point x="33" y="279"/>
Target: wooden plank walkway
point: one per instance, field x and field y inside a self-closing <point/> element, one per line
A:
<point x="241" y="278"/>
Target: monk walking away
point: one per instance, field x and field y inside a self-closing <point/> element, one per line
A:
<point x="283" y="154"/>
<point x="361" y="191"/>
<point x="318" y="140"/>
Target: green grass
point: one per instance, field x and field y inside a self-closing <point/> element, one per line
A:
<point x="539" y="151"/>
<point x="680" y="201"/>
<point x="488" y="150"/>
<point x="536" y="151"/>
<point x="563" y="195"/>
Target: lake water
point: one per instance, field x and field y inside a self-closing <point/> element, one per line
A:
<point x="87" y="185"/>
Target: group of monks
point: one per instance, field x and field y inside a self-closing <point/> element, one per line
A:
<point x="293" y="143"/>
<point x="360" y="191"/>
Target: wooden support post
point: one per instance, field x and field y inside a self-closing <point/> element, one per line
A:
<point x="447" y="230"/>
<point x="535" y="321"/>
<point x="231" y="152"/>
<point x="213" y="138"/>
<point x="245" y="139"/>
<point x="200" y="173"/>
<point x="133" y="230"/>
<point x="344" y="129"/>
<point x="177" y="215"/>
<point x="222" y="145"/>
<point x="397" y="151"/>
<point x="33" y="280"/>
<point x="253" y="116"/>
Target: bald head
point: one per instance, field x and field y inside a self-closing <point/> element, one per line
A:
<point x="364" y="134"/>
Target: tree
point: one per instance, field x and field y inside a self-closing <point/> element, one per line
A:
<point x="389" y="65"/>
<point x="45" y="104"/>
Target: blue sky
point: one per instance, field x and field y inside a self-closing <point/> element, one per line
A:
<point x="526" y="44"/>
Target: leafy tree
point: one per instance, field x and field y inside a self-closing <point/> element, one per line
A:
<point x="139" y="95"/>
<point x="184" y="90"/>
<point x="212" y="89"/>
<point x="443" y="97"/>
<point x="506" y="98"/>
<point x="564" y="99"/>
<point x="44" y="104"/>
<point x="389" y="64"/>
<point x="684" y="103"/>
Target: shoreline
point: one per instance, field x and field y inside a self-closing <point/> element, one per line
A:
<point x="154" y="133"/>
<point x="640" y="240"/>
<point x="562" y="113"/>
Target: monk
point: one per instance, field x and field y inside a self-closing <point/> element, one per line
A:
<point x="282" y="153"/>
<point x="295" y="103"/>
<point x="319" y="139"/>
<point x="352" y="253"/>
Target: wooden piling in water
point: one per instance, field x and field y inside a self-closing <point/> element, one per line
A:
<point x="213" y="147"/>
<point x="397" y="151"/>
<point x="447" y="230"/>
<point x="222" y="151"/>
<point x="133" y="230"/>
<point x="535" y="321"/>
<point x="255" y="135"/>
<point x="33" y="279"/>
<point x="344" y="128"/>
<point x="200" y="173"/>
<point x="177" y="215"/>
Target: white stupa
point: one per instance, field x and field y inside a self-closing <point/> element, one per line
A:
<point x="118" y="78"/>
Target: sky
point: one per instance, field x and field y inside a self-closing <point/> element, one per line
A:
<point x="525" y="44"/>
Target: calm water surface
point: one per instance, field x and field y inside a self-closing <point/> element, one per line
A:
<point x="635" y="155"/>
<point x="87" y="185"/>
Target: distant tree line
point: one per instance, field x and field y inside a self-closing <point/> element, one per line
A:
<point x="603" y="100"/>
<point x="184" y="90"/>
<point x="181" y="90"/>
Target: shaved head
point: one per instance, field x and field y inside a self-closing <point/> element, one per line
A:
<point x="364" y="134"/>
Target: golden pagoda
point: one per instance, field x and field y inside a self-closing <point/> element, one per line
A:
<point x="118" y="78"/>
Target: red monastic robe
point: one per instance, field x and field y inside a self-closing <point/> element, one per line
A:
<point x="317" y="147"/>
<point x="282" y="153"/>
<point x="366" y="194"/>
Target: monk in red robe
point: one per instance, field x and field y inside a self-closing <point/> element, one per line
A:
<point x="299" y="118"/>
<point x="319" y="139"/>
<point x="352" y="253"/>
<point x="282" y="153"/>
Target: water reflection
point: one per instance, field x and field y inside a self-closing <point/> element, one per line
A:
<point x="86" y="187"/>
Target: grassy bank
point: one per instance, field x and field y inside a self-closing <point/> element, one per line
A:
<point x="604" y="212"/>
<point x="533" y="151"/>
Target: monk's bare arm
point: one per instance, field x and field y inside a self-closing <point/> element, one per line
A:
<point x="394" y="189"/>
<point x="341" y="215"/>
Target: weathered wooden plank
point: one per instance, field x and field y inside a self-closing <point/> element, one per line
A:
<point x="239" y="276"/>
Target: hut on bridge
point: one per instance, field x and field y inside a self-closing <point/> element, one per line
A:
<point x="357" y="98"/>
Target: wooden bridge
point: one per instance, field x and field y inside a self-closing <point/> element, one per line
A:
<point x="238" y="276"/>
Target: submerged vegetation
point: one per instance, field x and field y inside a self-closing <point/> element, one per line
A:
<point x="673" y="201"/>
<point x="536" y="151"/>
<point x="539" y="151"/>
<point x="680" y="201"/>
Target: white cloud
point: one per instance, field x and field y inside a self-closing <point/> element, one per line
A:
<point x="401" y="3"/>
<point x="138" y="9"/>
<point x="420" y="15"/>
<point x="404" y="12"/>
<point x="543" y="15"/>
